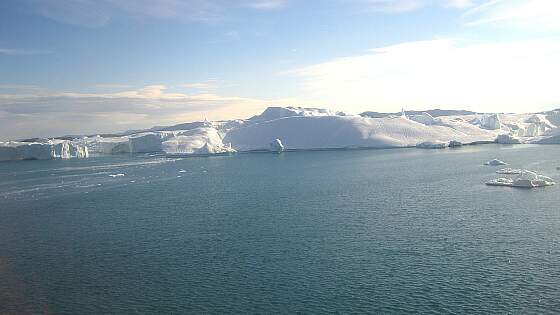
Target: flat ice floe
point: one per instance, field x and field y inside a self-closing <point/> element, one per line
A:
<point x="495" y="162"/>
<point x="527" y="179"/>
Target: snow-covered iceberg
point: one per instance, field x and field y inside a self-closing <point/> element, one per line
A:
<point x="527" y="179"/>
<point x="327" y="132"/>
<point x="307" y="128"/>
<point x="507" y="139"/>
<point x="44" y="150"/>
<point x="199" y="141"/>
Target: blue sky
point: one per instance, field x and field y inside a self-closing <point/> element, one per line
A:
<point x="86" y="66"/>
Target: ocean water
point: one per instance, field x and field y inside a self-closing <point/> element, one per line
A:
<point x="370" y="231"/>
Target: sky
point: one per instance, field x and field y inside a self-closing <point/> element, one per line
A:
<point x="99" y="66"/>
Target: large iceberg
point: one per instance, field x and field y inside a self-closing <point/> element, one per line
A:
<point x="507" y="139"/>
<point x="326" y="132"/>
<point x="145" y="142"/>
<point x="199" y="141"/>
<point x="306" y="128"/>
<point x="43" y="150"/>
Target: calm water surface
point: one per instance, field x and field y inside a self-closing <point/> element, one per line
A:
<point x="377" y="231"/>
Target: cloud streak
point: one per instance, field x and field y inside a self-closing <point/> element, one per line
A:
<point x="41" y="112"/>
<point x="542" y="15"/>
<point x="98" y="13"/>
<point x="23" y="52"/>
<point x="396" y="6"/>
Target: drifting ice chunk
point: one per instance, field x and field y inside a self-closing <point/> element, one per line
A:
<point x="527" y="179"/>
<point x="432" y="145"/>
<point x="495" y="162"/>
<point x="276" y="146"/>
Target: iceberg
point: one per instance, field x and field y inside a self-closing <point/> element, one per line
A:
<point x="527" y="179"/>
<point x="507" y="139"/>
<point x="305" y="128"/>
<point x="276" y="146"/>
<point x="490" y="121"/>
<point x="198" y="141"/>
<point x="43" y="150"/>
<point x="495" y="162"/>
<point x="455" y="143"/>
<point x="145" y="142"/>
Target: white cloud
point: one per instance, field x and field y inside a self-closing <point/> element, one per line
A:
<point x="266" y="4"/>
<point x="516" y="76"/>
<point x="35" y="112"/>
<point x="411" y="5"/>
<point x="541" y="15"/>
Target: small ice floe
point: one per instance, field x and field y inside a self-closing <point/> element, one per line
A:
<point x="527" y="179"/>
<point x="509" y="171"/>
<point x="495" y="162"/>
<point x="116" y="175"/>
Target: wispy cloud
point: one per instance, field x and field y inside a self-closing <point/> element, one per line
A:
<point x="23" y="52"/>
<point x="397" y="6"/>
<point x="208" y="85"/>
<point x="508" y="76"/>
<point x="98" y="13"/>
<point x="526" y="14"/>
<point x="111" y="86"/>
<point x="42" y="112"/>
<point x="266" y="4"/>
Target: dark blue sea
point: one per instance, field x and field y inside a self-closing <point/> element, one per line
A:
<point x="313" y="232"/>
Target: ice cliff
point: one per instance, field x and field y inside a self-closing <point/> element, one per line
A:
<point x="44" y="150"/>
<point x="285" y="128"/>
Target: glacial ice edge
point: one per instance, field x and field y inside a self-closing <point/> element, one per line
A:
<point x="295" y="128"/>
